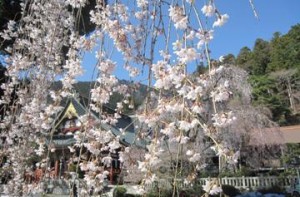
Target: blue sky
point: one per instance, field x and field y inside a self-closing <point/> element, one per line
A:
<point x="242" y="28"/>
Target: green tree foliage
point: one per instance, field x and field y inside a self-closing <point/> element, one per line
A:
<point x="260" y="57"/>
<point x="229" y="59"/>
<point x="291" y="157"/>
<point x="285" y="50"/>
<point x="265" y="93"/>
<point x="288" y="83"/>
<point x="274" y="68"/>
<point x="243" y="58"/>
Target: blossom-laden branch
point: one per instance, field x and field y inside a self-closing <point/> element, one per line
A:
<point x="183" y="109"/>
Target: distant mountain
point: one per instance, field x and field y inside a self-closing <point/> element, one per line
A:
<point x="136" y="91"/>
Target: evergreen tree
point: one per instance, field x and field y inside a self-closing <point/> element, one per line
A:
<point x="229" y="59"/>
<point x="243" y="58"/>
<point x="265" y="94"/>
<point x="285" y="50"/>
<point x="288" y="84"/>
<point x="260" y="57"/>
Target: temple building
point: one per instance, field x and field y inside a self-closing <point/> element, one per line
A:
<point x="60" y="139"/>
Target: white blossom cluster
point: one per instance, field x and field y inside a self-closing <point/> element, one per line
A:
<point x="212" y="188"/>
<point x="180" y="111"/>
<point x="178" y="17"/>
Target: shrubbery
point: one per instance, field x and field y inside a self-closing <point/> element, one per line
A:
<point x="187" y="192"/>
<point x="230" y="190"/>
<point x="275" y="189"/>
<point x="119" y="192"/>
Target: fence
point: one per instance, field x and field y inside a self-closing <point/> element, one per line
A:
<point x="237" y="182"/>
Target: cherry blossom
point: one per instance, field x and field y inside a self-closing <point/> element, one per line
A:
<point x="178" y="17"/>
<point x="208" y="10"/>
<point x="180" y="111"/>
<point x="222" y="19"/>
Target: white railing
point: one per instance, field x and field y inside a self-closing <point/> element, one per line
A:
<point x="257" y="182"/>
<point x="237" y="182"/>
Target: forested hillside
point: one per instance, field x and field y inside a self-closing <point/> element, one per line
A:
<point x="274" y="68"/>
<point x="136" y="94"/>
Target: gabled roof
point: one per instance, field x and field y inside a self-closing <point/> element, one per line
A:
<point x="74" y="108"/>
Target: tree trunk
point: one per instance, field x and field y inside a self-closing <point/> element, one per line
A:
<point x="290" y="94"/>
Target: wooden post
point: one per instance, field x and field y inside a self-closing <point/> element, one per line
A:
<point x="60" y="168"/>
<point x="111" y="174"/>
<point x="56" y="168"/>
